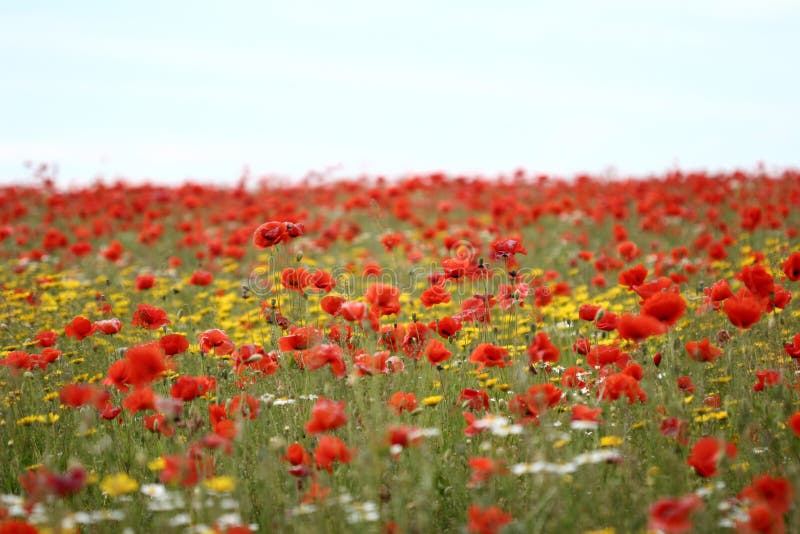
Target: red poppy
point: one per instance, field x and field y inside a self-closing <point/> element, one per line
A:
<point x="400" y="401"/>
<point x="639" y="327"/>
<point x="635" y="276"/>
<point x="488" y="355"/>
<point x="619" y="384"/>
<point x="703" y="351"/>
<point x="79" y="328"/>
<point x="76" y="395"/>
<point x="776" y="492"/>
<point x="677" y="429"/>
<point x="606" y="321"/>
<point x="353" y="311"/>
<point x="326" y="415"/>
<point x="507" y="248"/>
<point x="331" y="304"/>
<point x="791" y="267"/>
<point x="47" y="338"/>
<point x="295" y="279"/>
<point x="483" y="469"/>
<point x="188" y="388"/>
<point x="707" y="453"/>
<point x="794" y="423"/>
<point x="331" y="449"/>
<point x="685" y="384"/>
<point x="143" y="398"/>
<point x="150" y="317"/>
<point x="742" y="309"/>
<point x="274" y="232"/>
<point x="671" y="515"/>
<point x="436" y="294"/>
<point x="216" y="340"/>
<point x="384" y="298"/>
<point x="474" y="399"/>
<point x="436" y="352"/>
<point x="767" y="377"/>
<point x="144" y="281"/>
<point x="321" y="355"/>
<point x="322" y="281"/>
<point x="542" y="349"/>
<point x="666" y="306"/>
<point x="447" y="327"/>
<point x="299" y="338"/>
<point x="585" y="414"/>
<point x="486" y="520"/>
<point x="201" y="278"/>
<point x="146" y="363"/>
<point x="174" y="344"/>
<point x="109" y="326"/>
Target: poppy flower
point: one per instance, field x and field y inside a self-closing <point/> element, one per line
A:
<point x="146" y="363"/>
<point x="766" y="378"/>
<point x="475" y="399"/>
<point x="639" y="327"/>
<point x="486" y="520"/>
<point x="79" y="328"/>
<point x="791" y="267"/>
<point x="584" y="414"/>
<point x="674" y="428"/>
<point x="742" y="309"/>
<point x="671" y="515"/>
<point x="201" y="278"/>
<point x="216" y="340"/>
<point x="143" y="398"/>
<point x="321" y="355"/>
<point x="619" y="384"/>
<point x="436" y="352"/>
<point x="326" y="415"/>
<point x="295" y="279"/>
<point x="108" y="326"/>
<point x="542" y="349"/>
<point x="761" y="518"/>
<point x="401" y="401"/>
<point x="666" y="306"/>
<point x="488" y="355"/>
<point x="606" y="321"/>
<point x="703" y="351"/>
<point x="793" y="348"/>
<point x="707" y="453"/>
<point x="635" y="276"/>
<point x="447" y="327"/>
<point x="173" y="344"/>
<point x="144" y="281"/>
<point x="272" y="233"/>
<point x="47" y="338"/>
<point x="331" y="449"/>
<point x="299" y="338"/>
<point x="505" y="248"/>
<point x="436" y="294"/>
<point x="150" y="317"/>
<point x="483" y="469"/>
<point x="353" y="311"/>
<point x="776" y="492"/>
<point x="322" y="281"/>
<point x="384" y="298"/>
<point x="794" y="423"/>
<point x="757" y="280"/>
<point x="76" y="395"/>
<point x="331" y="304"/>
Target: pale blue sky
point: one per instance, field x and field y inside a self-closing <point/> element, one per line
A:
<point x="170" y="90"/>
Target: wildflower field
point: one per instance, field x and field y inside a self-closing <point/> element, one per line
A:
<point x="433" y="354"/>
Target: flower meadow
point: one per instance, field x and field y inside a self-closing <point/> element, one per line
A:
<point x="430" y="354"/>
